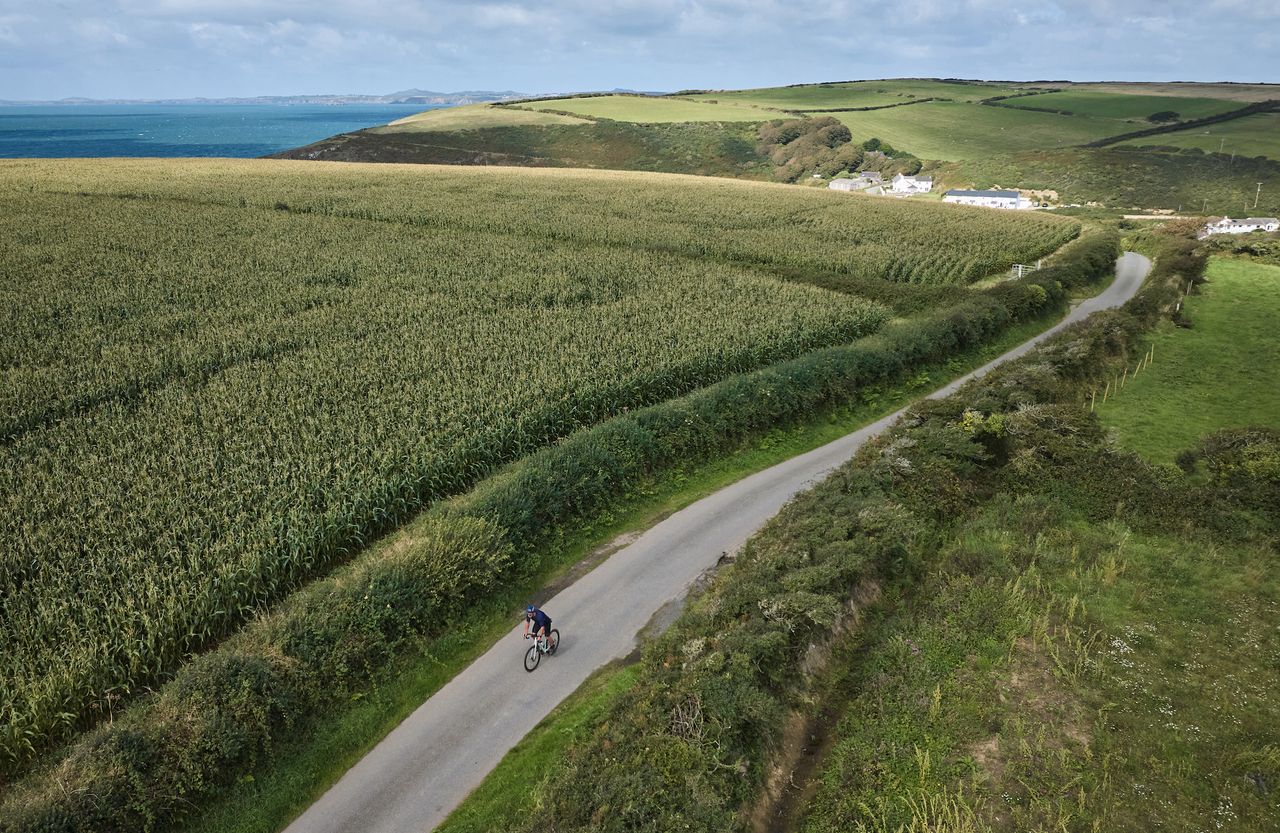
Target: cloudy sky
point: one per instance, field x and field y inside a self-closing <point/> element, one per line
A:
<point x="181" y="48"/>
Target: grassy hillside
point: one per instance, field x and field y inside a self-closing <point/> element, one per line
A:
<point x="1134" y="107"/>
<point x="1186" y="89"/>
<point x="1124" y="177"/>
<point x="726" y="149"/>
<point x="651" y="110"/>
<point x="808" y="97"/>
<point x="956" y="130"/>
<point x="226" y="375"/>
<point x="474" y="117"/>
<point x="1218" y="373"/>
<point x="1257" y="135"/>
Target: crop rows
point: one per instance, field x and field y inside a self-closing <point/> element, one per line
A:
<point x="755" y="223"/>
<point x="205" y="400"/>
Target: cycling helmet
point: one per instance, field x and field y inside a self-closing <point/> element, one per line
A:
<point x="528" y="611"/>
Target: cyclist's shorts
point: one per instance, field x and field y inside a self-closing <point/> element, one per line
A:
<point x="545" y="629"/>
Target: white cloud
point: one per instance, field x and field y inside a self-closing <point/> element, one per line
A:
<point x="221" y="47"/>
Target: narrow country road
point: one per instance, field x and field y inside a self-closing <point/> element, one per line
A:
<point x="421" y="771"/>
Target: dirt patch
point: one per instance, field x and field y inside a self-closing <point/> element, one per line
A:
<point x="1032" y="694"/>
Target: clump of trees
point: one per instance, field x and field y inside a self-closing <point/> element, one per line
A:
<point x="824" y="146"/>
<point x="1163" y="117"/>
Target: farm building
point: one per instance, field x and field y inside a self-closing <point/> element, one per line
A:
<point x="988" y="199"/>
<point x="1226" y="225"/>
<point x="861" y="183"/>
<point x="902" y="184"/>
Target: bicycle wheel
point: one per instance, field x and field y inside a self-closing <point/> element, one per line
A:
<point x="531" y="658"/>
<point x="554" y="639"/>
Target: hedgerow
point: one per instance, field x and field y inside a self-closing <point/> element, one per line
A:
<point x="222" y="713"/>
<point x="689" y="745"/>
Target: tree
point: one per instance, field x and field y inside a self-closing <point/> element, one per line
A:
<point x="1163" y="117"/>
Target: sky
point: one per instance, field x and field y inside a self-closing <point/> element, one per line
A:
<point x="51" y="49"/>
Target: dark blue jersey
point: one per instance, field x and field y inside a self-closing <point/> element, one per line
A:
<point x="540" y="620"/>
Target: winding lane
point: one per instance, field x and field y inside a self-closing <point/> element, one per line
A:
<point x="421" y="771"/>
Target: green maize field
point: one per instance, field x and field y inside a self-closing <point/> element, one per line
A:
<point x="221" y="377"/>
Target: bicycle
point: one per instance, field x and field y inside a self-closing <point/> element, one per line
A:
<point x="541" y="645"/>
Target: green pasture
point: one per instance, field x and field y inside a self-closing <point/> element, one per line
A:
<point x="1257" y="135"/>
<point x="1131" y="107"/>
<point x="1220" y="373"/>
<point x="857" y="94"/>
<point x="953" y="131"/>
<point x="474" y="117"/>
<point x="651" y="110"/>
<point x="1185" y="89"/>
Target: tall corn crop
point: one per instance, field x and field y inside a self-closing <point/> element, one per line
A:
<point x="218" y="378"/>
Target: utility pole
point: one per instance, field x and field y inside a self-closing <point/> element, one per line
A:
<point x="1221" y="144"/>
<point x="1257" y="194"/>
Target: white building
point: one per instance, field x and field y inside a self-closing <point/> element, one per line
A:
<point x="911" y="184"/>
<point x="987" y="199"/>
<point x="1229" y="226"/>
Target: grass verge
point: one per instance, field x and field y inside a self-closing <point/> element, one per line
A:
<point x="301" y="771"/>
<point x="1052" y="673"/>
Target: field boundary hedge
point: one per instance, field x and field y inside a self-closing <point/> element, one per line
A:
<point x="1270" y="106"/>
<point x="690" y="745"/>
<point x="224" y="711"/>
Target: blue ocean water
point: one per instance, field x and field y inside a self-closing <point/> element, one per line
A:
<point x="180" y="129"/>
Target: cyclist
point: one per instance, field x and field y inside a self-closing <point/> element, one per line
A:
<point x="536" y="619"/>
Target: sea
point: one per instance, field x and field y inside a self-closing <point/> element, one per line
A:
<point x="42" y="131"/>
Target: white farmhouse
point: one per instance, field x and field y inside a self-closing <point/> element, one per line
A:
<point x="1229" y="226"/>
<point x="988" y="199"/>
<point x="911" y="184"/>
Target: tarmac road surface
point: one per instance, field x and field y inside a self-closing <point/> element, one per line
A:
<point x="421" y="771"/>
